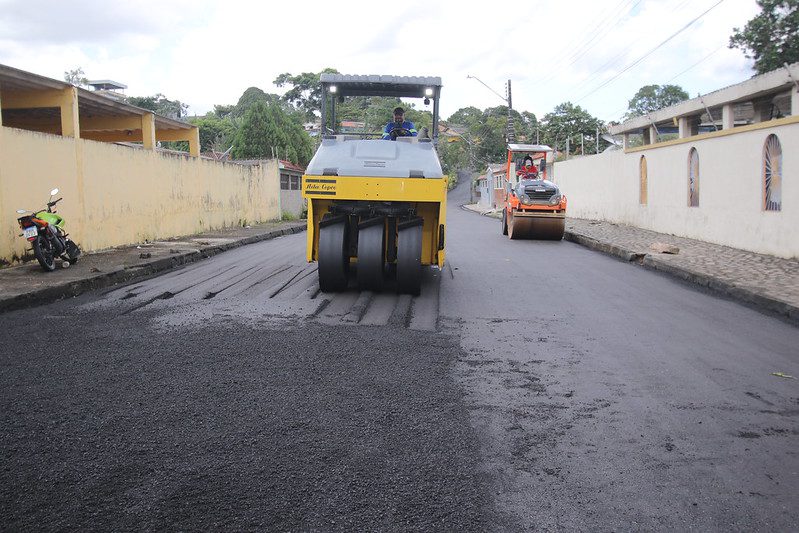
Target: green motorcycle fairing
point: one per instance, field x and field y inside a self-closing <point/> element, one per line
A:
<point x="51" y="218"/>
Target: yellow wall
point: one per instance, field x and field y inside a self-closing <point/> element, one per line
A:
<point x="115" y="195"/>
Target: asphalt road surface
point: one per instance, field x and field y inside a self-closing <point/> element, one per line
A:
<point x="532" y="386"/>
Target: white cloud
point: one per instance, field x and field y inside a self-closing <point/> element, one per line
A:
<point x="207" y="53"/>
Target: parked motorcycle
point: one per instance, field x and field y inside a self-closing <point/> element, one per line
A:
<point x="45" y="231"/>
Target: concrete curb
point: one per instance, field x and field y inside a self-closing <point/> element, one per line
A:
<point x="125" y="274"/>
<point x="741" y="294"/>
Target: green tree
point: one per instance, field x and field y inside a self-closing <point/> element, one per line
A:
<point x="485" y="138"/>
<point x="299" y="147"/>
<point x="530" y="126"/>
<point x="76" y="77"/>
<point x="268" y="130"/>
<point x="160" y="105"/>
<point x="569" y="121"/>
<point x="215" y="133"/>
<point x="771" y="38"/>
<point x="250" y="97"/>
<point x="258" y="134"/>
<point x="305" y="91"/>
<point x="223" y="111"/>
<point x="470" y="117"/>
<point x="653" y="97"/>
<point x="457" y="154"/>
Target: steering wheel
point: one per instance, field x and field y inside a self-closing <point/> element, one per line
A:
<point x="399" y="132"/>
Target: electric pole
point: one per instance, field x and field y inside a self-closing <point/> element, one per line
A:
<point x="511" y="133"/>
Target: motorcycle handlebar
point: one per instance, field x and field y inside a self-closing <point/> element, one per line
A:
<point x="51" y="204"/>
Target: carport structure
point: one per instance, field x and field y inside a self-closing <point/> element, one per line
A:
<point x="760" y="102"/>
<point x="32" y="102"/>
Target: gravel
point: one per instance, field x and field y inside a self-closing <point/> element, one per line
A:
<point x="119" y="425"/>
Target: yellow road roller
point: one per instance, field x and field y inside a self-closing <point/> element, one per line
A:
<point x="376" y="208"/>
<point x="534" y="207"/>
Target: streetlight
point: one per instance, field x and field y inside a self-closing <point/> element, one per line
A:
<point x="506" y="100"/>
<point x="509" y="134"/>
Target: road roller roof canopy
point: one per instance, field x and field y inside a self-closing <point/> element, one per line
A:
<point x="537" y="148"/>
<point x="338" y="86"/>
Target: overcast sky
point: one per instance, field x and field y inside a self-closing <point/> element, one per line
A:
<point x="205" y="53"/>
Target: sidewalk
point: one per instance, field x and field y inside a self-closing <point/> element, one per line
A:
<point x="25" y="285"/>
<point x="763" y="281"/>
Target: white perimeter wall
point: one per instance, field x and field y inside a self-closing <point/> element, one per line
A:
<point x="606" y="187"/>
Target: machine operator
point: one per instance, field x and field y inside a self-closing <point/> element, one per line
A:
<point x="528" y="170"/>
<point x="399" y="127"/>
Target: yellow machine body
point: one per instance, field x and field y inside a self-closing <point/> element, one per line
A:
<point x="428" y="195"/>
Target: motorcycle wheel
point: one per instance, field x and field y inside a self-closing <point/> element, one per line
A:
<point x="72" y="251"/>
<point x="43" y="251"/>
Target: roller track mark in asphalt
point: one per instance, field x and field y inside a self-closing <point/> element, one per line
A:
<point x="155" y="284"/>
<point x="296" y="278"/>
<point x="267" y="278"/>
<point x="425" y="308"/>
<point x="379" y="310"/>
<point x="272" y="279"/>
<point x="358" y="309"/>
<point x="244" y="276"/>
<point x="163" y="296"/>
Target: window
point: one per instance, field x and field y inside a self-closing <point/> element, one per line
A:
<point x="284" y="182"/>
<point x="772" y="174"/>
<point x="693" y="178"/>
<point x="643" y="179"/>
<point x="295" y="183"/>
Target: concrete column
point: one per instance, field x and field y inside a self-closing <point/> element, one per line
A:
<point x="684" y="127"/>
<point x="148" y="131"/>
<point x="693" y="124"/>
<point x="626" y="138"/>
<point x="653" y="135"/>
<point x="645" y="134"/>
<point x="194" y="142"/>
<point x="727" y="117"/>
<point x="70" y="120"/>
<point x="795" y="101"/>
<point x="689" y="126"/>
<point x="762" y="110"/>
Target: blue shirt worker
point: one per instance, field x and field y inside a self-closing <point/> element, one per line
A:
<point x="399" y="127"/>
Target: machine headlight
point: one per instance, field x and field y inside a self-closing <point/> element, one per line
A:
<point x="555" y="200"/>
<point x="526" y="199"/>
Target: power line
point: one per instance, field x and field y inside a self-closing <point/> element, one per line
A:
<point x="580" y="44"/>
<point x="613" y="61"/>
<point x="653" y="50"/>
<point x="617" y="113"/>
<point x="577" y="55"/>
<point x="697" y="63"/>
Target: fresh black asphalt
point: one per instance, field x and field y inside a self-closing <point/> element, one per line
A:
<point x="107" y="424"/>
<point x="532" y="386"/>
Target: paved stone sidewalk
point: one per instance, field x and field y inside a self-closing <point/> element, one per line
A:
<point x="764" y="281"/>
<point x="26" y="284"/>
